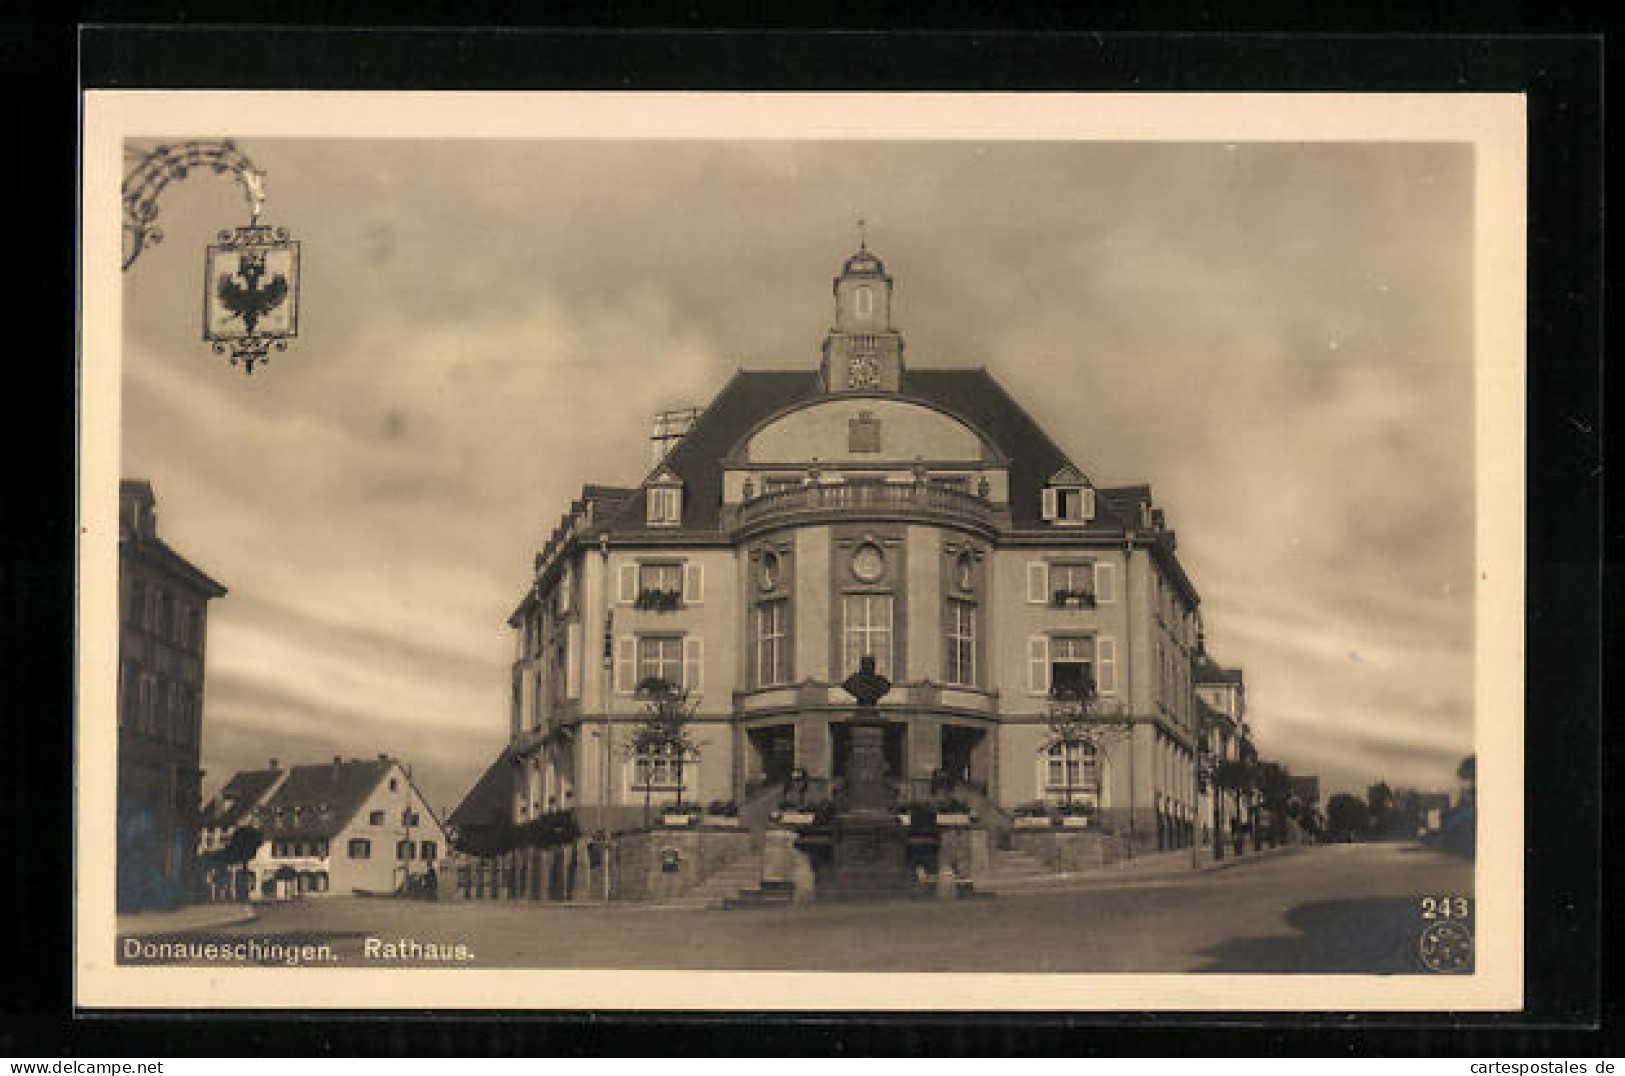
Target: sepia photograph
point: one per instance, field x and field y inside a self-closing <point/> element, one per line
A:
<point x="868" y="551"/>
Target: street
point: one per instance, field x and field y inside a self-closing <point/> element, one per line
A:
<point x="1324" y="909"/>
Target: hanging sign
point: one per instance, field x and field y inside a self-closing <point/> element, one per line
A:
<point x="251" y="293"/>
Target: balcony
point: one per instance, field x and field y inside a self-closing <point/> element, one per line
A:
<point x="869" y="500"/>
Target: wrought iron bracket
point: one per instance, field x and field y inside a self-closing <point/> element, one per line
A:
<point x="165" y="164"/>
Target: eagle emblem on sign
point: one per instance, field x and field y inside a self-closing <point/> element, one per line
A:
<point x="248" y="300"/>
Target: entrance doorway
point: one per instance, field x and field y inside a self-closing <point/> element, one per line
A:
<point x="959" y="756"/>
<point x="775" y="745"/>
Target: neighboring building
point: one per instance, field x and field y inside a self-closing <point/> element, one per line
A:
<point x="1221" y="695"/>
<point x="163" y="614"/>
<point x="232" y="809"/>
<point x="343" y="827"/>
<point x="808" y="519"/>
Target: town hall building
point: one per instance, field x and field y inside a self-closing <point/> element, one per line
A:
<point x="808" y="519"/>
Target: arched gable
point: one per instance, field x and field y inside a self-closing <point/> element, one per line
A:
<point x="864" y="428"/>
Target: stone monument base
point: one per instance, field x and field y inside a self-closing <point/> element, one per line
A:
<point x="870" y="857"/>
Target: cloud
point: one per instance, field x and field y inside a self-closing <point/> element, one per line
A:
<point x="1276" y="337"/>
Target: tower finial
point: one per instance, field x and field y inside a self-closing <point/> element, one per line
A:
<point x="863" y="235"/>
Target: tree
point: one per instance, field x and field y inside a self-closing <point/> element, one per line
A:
<point x="1467" y="774"/>
<point x="245" y="841"/>
<point x="664" y="732"/>
<point x="1275" y="795"/>
<point x="1075" y="719"/>
<point x="1380" y="800"/>
<point x="1346" y="817"/>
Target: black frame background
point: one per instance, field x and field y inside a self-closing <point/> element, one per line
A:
<point x="1557" y="62"/>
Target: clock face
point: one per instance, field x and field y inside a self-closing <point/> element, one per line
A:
<point x="863" y="371"/>
<point x="868" y="563"/>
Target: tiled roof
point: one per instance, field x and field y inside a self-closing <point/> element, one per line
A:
<point x="238" y="797"/>
<point x="319" y="800"/>
<point x="749" y="397"/>
<point x="157" y="553"/>
<point x="486" y="804"/>
<point x="752" y="395"/>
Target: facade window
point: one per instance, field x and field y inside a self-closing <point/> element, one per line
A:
<point x="375" y="818"/>
<point x="959" y="633"/>
<point x="863" y="302"/>
<point x="660" y="658"/>
<point x="405" y="850"/>
<point x="1071" y="664"/>
<point x="428" y="851"/>
<point x="659" y="586"/>
<point x="665" y="506"/>
<point x="1068" y="504"/>
<point x="360" y="848"/>
<point x="1072" y="582"/>
<point x="130" y="689"/>
<point x="1072" y="772"/>
<point x="867" y="631"/>
<point x="393" y="784"/>
<point x="136" y="613"/>
<point x="409" y="817"/>
<point x="654" y="767"/>
<point x="772" y="642"/>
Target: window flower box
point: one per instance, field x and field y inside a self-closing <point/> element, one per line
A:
<point x="1075" y="821"/>
<point x="1033" y="822"/>
<point x="677" y="821"/>
<point x="795" y="818"/>
<point x="1083" y="599"/>
<point x="720" y="821"/>
<point x="658" y="600"/>
<point x="954" y="818"/>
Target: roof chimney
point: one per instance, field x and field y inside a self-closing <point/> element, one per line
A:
<point x="274" y="765"/>
<point x="383" y="756"/>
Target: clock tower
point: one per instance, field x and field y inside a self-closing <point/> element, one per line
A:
<point x="862" y="353"/>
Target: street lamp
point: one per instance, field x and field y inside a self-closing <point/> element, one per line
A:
<point x="251" y="273"/>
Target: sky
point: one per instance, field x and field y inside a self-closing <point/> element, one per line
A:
<point x="1276" y="337"/>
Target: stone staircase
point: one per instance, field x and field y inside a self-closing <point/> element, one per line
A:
<point x="732" y="881"/>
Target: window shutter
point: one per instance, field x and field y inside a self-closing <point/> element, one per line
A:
<point x="626" y="664"/>
<point x="1106" y="665"/>
<point x="693" y="663"/>
<point x="1105" y="582"/>
<point x="1050" y="504"/>
<point x="573" y="661"/>
<point x="693" y="584"/>
<point x="1038" y="664"/>
<point x="1037" y="581"/>
<point x="1088" y="502"/>
<point x="628" y="591"/>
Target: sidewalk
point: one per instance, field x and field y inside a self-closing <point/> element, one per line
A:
<point x="191" y="917"/>
<point x="1157" y="866"/>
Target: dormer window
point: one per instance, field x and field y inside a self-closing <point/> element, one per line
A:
<point x="1068" y="498"/>
<point x="665" y="501"/>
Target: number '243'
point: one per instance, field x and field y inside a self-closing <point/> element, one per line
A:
<point x="1448" y="907"/>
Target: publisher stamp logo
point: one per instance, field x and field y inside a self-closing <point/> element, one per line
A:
<point x="1446" y="946"/>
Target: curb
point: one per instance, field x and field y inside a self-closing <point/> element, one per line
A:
<point x="142" y="924"/>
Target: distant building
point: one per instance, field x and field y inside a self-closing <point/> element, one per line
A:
<point x="232" y="809"/>
<point x="1221" y="695"/>
<point x="163" y="613"/>
<point x="341" y="827"/>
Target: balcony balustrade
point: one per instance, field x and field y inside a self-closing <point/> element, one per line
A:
<point x="869" y="499"/>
